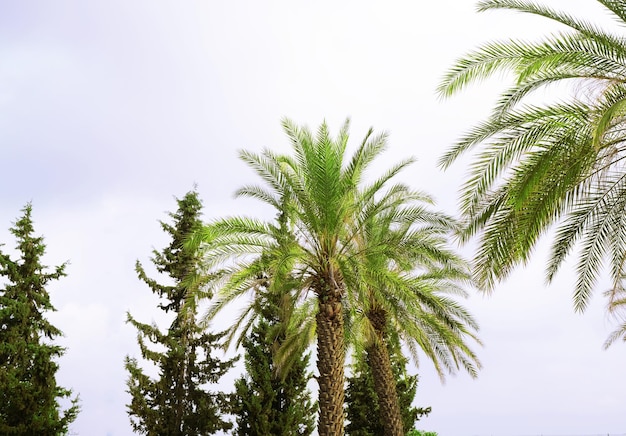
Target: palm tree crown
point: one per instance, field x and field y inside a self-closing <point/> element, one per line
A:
<point x="406" y="279"/>
<point x="556" y="163"/>
<point x="408" y="273"/>
<point x="321" y="197"/>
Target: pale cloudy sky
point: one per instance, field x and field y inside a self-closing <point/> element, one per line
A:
<point x="109" y="109"/>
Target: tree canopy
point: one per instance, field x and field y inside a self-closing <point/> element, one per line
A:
<point x="179" y="401"/>
<point x="29" y="393"/>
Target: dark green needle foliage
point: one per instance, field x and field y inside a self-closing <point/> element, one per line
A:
<point x="269" y="402"/>
<point x="362" y="409"/>
<point x="29" y="394"/>
<point x="178" y="401"/>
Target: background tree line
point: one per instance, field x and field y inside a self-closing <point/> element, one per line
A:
<point x="182" y="399"/>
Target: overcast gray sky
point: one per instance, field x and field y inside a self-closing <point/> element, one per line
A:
<point x="109" y="109"/>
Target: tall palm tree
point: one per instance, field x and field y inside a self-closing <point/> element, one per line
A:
<point x="321" y="192"/>
<point x="406" y="278"/>
<point x="554" y="163"/>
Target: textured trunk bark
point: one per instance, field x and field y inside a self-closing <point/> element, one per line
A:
<point x="330" y="365"/>
<point x="384" y="381"/>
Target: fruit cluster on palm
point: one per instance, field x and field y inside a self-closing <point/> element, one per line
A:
<point x="537" y="165"/>
<point x="352" y="259"/>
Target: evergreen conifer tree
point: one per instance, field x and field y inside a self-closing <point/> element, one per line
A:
<point x="29" y="394"/>
<point x="177" y="402"/>
<point x="362" y="410"/>
<point x="268" y="403"/>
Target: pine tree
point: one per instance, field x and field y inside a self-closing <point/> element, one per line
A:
<point x="268" y="403"/>
<point x="29" y="394"/>
<point x="362" y="408"/>
<point x="177" y="402"/>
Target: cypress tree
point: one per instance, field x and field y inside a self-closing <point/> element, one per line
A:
<point x="178" y="402"/>
<point x="29" y="394"/>
<point x="362" y="410"/>
<point x="269" y="403"/>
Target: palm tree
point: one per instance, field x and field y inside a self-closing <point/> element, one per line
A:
<point x="554" y="163"/>
<point x="321" y="194"/>
<point x="406" y="278"/>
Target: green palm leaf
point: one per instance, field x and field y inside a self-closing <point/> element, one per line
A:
<point x="556" y="163"/>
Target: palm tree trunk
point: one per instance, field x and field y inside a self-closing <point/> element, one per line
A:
<point x="330" y="365"/>
<point x="384" y="381"/>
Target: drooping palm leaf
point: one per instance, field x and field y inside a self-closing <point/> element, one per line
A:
<point x="554" y="163"/>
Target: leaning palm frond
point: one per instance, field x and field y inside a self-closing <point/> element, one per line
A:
<point x="616" y="307"/>
<point x="557" y="163"/>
